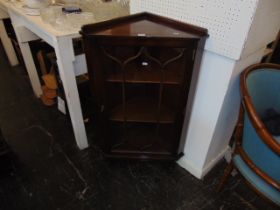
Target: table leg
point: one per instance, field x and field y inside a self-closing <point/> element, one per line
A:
<point x="31" y="68"/>
<point x="28" y="59"/>
<point x="7" y="44"/>
<point x="65" y="58"/>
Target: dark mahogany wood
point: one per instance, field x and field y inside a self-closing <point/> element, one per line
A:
<point x="140" y="69"/>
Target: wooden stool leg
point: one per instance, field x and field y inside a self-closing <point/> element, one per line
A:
<point x="224" y="179"/>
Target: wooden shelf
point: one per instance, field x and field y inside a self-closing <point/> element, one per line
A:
<point x="142" y="140"/>
<point x="137" y="156"/>
<point x="133" y="147"/>
<point x="142" y="110"/>
<point x="146" y="75"/>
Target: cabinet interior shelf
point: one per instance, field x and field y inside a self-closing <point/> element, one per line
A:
<point x="145" y="75"/>
<point x="141" y="140"/>
<point x="133" y="149"/>
<point x="142" y="110"/>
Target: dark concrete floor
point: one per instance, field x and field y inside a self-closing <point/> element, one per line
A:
<point x="47" y="171"/>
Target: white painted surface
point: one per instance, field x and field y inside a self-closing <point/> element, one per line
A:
<point x="230" y="108"/>
<point x="61" y="105"/>
<point x="65" y="57"/>
<point x="22" y="35"/>
<point x="80" y="65"/>
<point x="264" y="27"/>
<point x="198" y="172"/>
<point x="7" y="44"/>
<point x="3" y="11"/>
<point x="25" y="34"/>
<point x="215" y="74"/>
<point x="30" y="66"/>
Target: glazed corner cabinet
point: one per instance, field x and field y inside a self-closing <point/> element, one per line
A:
<point x="140" y="69"/>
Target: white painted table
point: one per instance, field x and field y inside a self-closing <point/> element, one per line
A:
<point x="30" y="28"/>
<point x="7" y="44"/>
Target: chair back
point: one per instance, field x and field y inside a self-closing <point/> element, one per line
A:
<point x="260" y="87"/>
<point x="263" y="86"/>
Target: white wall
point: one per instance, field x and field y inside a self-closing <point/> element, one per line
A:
<point x="230" y="109"/>
<point x="215" y="74"/>
<point x="264" y="27"/>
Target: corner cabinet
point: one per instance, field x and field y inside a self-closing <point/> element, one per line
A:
<point x="140" y="69"/>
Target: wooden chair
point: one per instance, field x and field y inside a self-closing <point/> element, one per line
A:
<point x="257" y="152"/>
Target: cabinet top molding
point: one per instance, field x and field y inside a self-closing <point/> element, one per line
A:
<point x="144" y="25"/>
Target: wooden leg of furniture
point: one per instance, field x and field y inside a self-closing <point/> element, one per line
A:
<point x="31" y="68"/>
<point x="65" y="58"/>
<point x="7" y="44"/>
<point x="23" y="39"/>
<point x="225" y="177"/>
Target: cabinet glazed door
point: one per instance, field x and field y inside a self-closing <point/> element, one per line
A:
<point x="145" y="97"/>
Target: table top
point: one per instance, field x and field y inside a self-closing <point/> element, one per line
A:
<point x="17" y="7"/>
